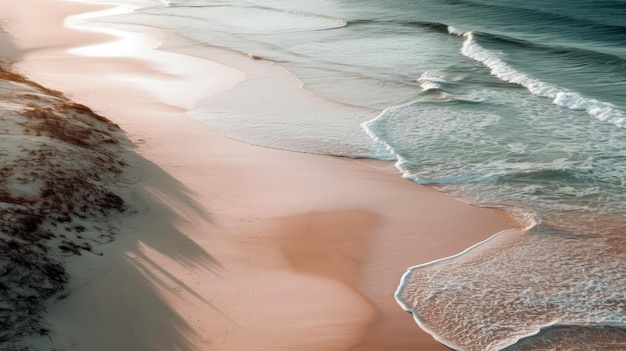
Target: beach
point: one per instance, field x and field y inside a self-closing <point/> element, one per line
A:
<point x="232" y="246"/>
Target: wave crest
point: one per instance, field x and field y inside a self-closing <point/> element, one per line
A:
<point x="603" y="111"/>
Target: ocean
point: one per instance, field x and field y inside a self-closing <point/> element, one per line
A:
<point x="516" y="105"/>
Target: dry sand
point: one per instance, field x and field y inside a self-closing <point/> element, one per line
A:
<point x="235" y="247"/>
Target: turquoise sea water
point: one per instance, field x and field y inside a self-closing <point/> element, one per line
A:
<point x="518" y="105"/>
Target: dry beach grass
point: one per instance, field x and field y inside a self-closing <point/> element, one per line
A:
<point x="59" y="163"/>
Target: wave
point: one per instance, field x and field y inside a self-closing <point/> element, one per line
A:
<point x="252" y="20"/>
<point x="562" y="97"/>
<point x="598" y="24"/>
<point x="435" y="26"/>
<point x="513" y="286"/>
<point x="463" y="146"/>
<point x="576" y="13"/>
<point x="432" y="80"/>
<point x="502" y="237"/>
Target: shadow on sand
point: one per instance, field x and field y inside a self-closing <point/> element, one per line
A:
<point x="128" y="298"/>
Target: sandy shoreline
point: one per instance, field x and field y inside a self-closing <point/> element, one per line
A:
<point x="236" y="247"/>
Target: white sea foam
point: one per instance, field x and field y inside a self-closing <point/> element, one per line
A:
<point x="512" y="286"/>
<point x="603" y="111"/>
<point x="432" y="80"/>
<point x="456" y="31"/>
